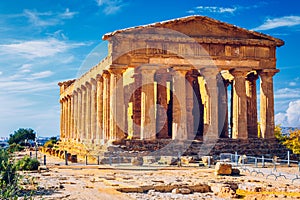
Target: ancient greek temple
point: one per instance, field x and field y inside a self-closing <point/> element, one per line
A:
<point x="183" y="79"/>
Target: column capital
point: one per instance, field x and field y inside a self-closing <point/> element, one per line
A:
<point x="105" y="74"/>
<point x="88" y="85"/>
<point x="209" y="72"/>
<point x="182" y="70"/>
<point x="93" y="81"/>
<point x="239" y="72"/>
<point x="149" y="69"/>
<point x="83" y="87"/>
<point x="117" y="70"/>
<point x="99" y="77"/>
<point x="267" y="72"/>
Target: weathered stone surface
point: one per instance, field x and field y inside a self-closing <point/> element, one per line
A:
<point x="137" y="161"/>
<point x="223" y="169"/>
<point x="205" y="160"/>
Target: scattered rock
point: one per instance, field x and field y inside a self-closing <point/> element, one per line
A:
<point x="208" y="160"/>
<point x="235" y="172"/>
<point x="223" y="169"/>
<point x="43" y="168"/>
<point x="137" y="161"/>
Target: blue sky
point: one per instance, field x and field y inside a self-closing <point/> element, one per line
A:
<point x="43" y="42"/>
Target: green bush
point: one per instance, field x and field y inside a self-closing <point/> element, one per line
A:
<point x="15" y="147"/>
<point x="9" y="187"/>
<point x="27" y="163"/>
<point x="51" y="143"/>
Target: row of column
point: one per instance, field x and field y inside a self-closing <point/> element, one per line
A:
<point x="95" y="111"/>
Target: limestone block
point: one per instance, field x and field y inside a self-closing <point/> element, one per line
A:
<point x="223" y="169"/>
<point x="235" y="172"/>
<point x="137" y="161"/>
<point x="206" y="158"/>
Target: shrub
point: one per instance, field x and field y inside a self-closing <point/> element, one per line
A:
<point x="27" y="163"/>
<point x="15" y="147"/>
<point x="9" y="178"/>
<point x="50" y="143"/>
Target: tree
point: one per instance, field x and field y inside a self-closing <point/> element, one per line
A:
<point x="21" y="135"/>
<point x="293" y="141"/>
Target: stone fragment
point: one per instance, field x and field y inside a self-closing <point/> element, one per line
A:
<point x="223" y="169"/>
<point x="137" y="161"/>
<point x="235" y="172"/>
<point x="205" y="160"/>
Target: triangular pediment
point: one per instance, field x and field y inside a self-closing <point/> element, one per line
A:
<point x="201" y="26"/>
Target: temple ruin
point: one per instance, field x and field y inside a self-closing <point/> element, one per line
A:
<point x="183" y="79"/>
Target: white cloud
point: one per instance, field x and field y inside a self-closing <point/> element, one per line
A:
<point x="1" y="73"/>
<point x="67" y="14"/>
<point x="38" y="48"/>
<point x="290" y="93"/>
<point x="286" y="21"/>
<point x="292" y="83"/>
<point x="40" y="75"/>
<point x="291" y="117"/>
<point x="110" y="6"/>
<point x="213" y="9"/>
<point x="36" y="20"/>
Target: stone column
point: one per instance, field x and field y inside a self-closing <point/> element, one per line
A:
<point x="136" y="104"/>
<point x="93" y="109"/>
<point x="88" y="111"/>
<point x="67" y="118"/>
<point x="179" y="125"/>
<point x="210" y="76"/>
<point x="83" y="114"/>
<point x="99" y="126"/>
<point x="148" y="121"/>
<point x="267" y="103"/>
<point x="239" y="129"/>
<point x="72" y="117"/>
<point x="162" y="104"/>
<point x="62" y="134"/>
<point x="191" y="78"/>
<point x="117" y="107"/>
<point x="79" y="115"/>
<point x="106" y="105"/>
<point x="75" y="114"/>
<point x="251" y="105"/>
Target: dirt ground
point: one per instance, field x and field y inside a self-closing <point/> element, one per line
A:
<point x="106" y="182"/>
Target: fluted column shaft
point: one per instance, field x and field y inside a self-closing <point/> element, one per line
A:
<point x="88" y="111"/>
<point x="179" y="125"/>
<point x="148" y="121"/>
<point x="93" y="109"/>
<point x="83" y="114"/>
<point x="239" y="129"/>
<point x="162" y="104"/>
<point x="79" y="114"/>
<point x="117" y="107"/>
<point x="190" y="77"/>
<point x="99" y="125"/>
<point x="210" y="76"/>
<point x="136" y="109"/>
<point x="267" y="103"/>
<point x="75" y="129"/>
<point x="106" y="105"/>
<point x="251" y="105"/>
<point x="62" y="119"/>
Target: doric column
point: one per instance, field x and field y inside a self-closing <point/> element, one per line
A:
<point x="88" y="111"/>
<point x="83" y="114"/>
<point x="93" y="109"/>
<point x="70" y="117"/>
<point x="191" y="77"/>
<point x="148" y="121"/>
<point x="99" y="125"/>
<point x="106" y="104"/>
<point x="239" y="129"/>
<point x="267" y="103"/>
<point x="117" y="107"/>
<point x="79" y="115"/>
<point x="179" y="125"/>
<point x="251" y="105"/>
<point x="210" y="77"/>
<point x="62" y="123"/>
<point x="136" y="104"/>
<point x="161" y="77"/>
<point x="66" y="118"/>
<point x="75" y="114"/>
